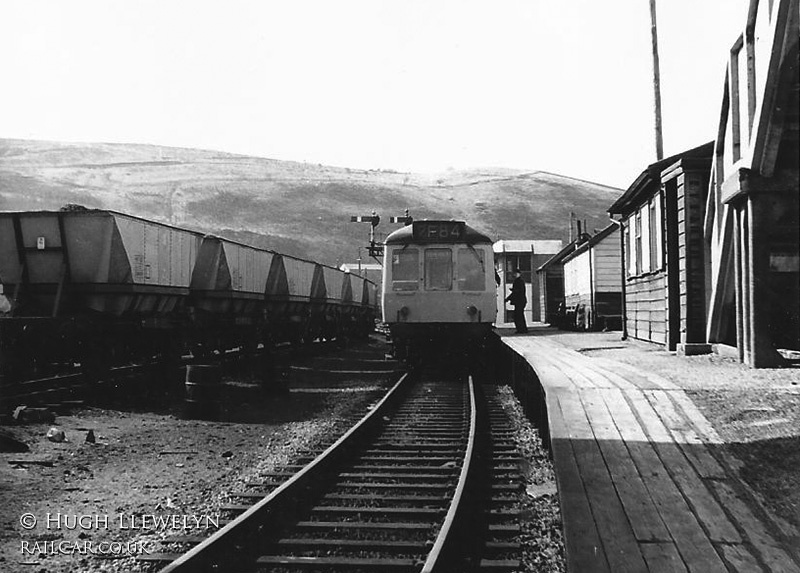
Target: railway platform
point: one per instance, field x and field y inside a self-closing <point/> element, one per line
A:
<point x="644" y="480"/>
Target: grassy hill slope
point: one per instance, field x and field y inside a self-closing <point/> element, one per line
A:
<point x="296" y="208"/>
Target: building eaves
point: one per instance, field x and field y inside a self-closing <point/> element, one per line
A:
<point x="650" y="176"/>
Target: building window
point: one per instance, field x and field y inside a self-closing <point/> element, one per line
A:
<point x="656" y="236"/>
<point x="637" y="242"/>
<point x="521" y="262"/>
<point x="644" y="246"/>
<point x="630" y="245"/>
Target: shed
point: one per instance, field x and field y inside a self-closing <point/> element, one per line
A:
<point x="592" y="282"/>
<point x="550" y="277"/>
<point x="661" y="214"/>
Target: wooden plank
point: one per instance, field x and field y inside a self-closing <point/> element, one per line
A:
<point x="639" y="507"/>
<point x="699" y="421"/>
<point x="663" y="558"/>
<point x="608" y="369"/>
<point x="772" y="552"/>
<point x="690" y="539"/>
<point x="644" y="379"/>
<point x="619" y="542"/>
<point x="549" y="375"/>
<point x="351" y="562"/>
<point x="659" y="337"/>
<point x="740" y="559"/>
<point x="358" y="544"/>
<point x="568" y="361"/>
<point x="584" y="550"/>
<point x="600" y="377"/>
<point x="685" y="435"/>
<point x="705" y="506"/>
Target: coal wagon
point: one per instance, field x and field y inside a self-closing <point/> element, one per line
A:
<point x="98" y="287"/>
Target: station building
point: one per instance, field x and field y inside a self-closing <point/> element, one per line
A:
<point x="550" y="277"/>
<point x="662" y="245"/>
<point x="525" y="255"/>
<point x="752" y="217"/>
<point x="592" y="282"/>
<point x="711" y="236"/>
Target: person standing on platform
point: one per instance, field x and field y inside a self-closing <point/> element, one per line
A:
<point x="518" y="299"/>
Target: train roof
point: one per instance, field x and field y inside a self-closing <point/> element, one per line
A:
<point x="432" y="231"/>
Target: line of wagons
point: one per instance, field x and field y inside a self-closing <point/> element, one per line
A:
<point x="98" y="287"/>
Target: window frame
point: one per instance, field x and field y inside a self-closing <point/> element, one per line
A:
<point x="470" y="253"/>
<point x="413" y="283"/>
<point x="645" y="238"/>
<point x="426" y="284"/>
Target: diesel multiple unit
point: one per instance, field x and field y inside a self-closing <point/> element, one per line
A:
<point x="439" y="286"/>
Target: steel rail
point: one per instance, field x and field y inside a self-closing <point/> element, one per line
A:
<point x="202" y="557"/>
<point x="443" y="545"/>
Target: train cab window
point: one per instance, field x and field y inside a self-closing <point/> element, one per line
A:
<point x="471" y="270"/>
<point x="405" y="269"/>
<point x="438" y="269"/>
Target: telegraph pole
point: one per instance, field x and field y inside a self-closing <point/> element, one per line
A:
<point x="656" y="82"/>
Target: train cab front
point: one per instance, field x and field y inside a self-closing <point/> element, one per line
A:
<point x="439" y="297"/>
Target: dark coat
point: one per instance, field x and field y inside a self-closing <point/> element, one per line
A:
<point x="517" y="296"/>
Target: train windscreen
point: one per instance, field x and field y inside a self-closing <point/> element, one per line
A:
<point x="438" y="269"/>
<point x="471" y="270"/>
<point x="405" y="269"/>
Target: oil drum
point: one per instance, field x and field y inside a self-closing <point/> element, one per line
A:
<point x="203" y="383"/>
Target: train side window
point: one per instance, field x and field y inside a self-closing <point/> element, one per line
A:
<point x="405" y="269"/>
<point x="471" y="270"/>
<point x="438" y="269"/>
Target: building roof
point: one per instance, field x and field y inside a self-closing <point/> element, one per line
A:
<point x="559" y="256"/>
<point x="593" y="240"/>
<point x="539" y="247"/>
<point x="651" y="175"/>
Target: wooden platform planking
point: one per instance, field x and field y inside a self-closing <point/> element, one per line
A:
<point x="640" y="484"/>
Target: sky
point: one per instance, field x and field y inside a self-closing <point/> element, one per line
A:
<point x="413" y="85"/>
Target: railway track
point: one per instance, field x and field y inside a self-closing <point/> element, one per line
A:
<point x="426" y="481"/>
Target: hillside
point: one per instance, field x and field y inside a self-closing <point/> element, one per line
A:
<point x="296" y="208"/>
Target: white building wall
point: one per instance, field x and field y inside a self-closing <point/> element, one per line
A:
<point x="607" y="261"/>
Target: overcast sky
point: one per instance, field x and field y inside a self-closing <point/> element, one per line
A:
<point x="555" y="85"/>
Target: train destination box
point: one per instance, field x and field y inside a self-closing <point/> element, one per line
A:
<point x="433" y="231"/>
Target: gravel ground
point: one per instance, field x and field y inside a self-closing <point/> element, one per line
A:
<point x="151" y="462"/>
<point x="755" y="411"/>
<point x="542" y="536"/>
